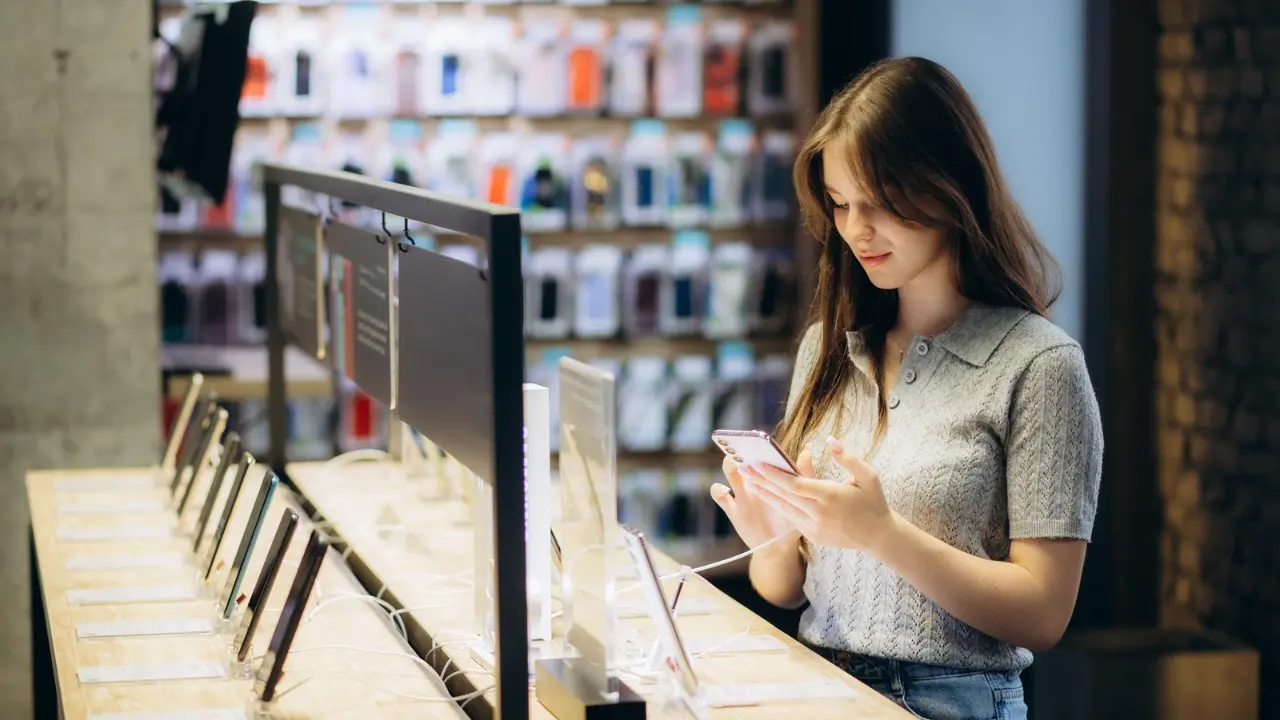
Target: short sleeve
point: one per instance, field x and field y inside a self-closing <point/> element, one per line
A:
<point x="1054" y="449"/>
<point x="806" y="358"/>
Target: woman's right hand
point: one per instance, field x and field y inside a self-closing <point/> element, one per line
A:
<point x="755" y="521"/>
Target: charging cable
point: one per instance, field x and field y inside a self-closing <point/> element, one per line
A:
<point x="353" y="456"/>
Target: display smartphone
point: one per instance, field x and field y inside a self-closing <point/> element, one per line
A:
<point x="753" y="447"/>
<point x="272" y="668"/>
<point x="230" y="449"/>
<point x="656" y="600"/>
<point x="266" y="579"/>
<point x="233" y="495"/>
<point x="239" y="563"/>
<point x="199" y="420"/>
<point x="179" y="428"/>
<point x="201" y="459"/>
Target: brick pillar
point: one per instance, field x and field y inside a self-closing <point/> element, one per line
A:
<point x="1218" y="320"/>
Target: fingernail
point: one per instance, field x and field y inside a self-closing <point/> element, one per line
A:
<point x="835" y="444"/>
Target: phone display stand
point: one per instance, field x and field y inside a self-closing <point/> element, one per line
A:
<point x="237" y="669"/>
<point x="259" y="710"/>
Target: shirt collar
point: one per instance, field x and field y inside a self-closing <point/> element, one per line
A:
<point x="973" y="338"/>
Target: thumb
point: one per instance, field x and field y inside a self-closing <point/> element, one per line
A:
<point x="723" y="495"/>
<point x="860" y="472"/>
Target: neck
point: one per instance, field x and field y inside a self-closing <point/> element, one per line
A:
<point x="930" y="303"/>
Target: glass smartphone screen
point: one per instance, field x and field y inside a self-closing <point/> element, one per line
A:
<point x="272" y="667"/>
<point x="229" y="450"/>
<point x="251" y="529"/>
<point x="201" y="459"/>
<point x="200" y="418"/>
<point x="246" y="462"/>
<point x="261" y="589"/>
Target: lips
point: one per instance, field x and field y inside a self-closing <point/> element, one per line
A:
<point x="872" y="261"/>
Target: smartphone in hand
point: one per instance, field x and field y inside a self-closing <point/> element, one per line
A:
<point x="753" y="447"/>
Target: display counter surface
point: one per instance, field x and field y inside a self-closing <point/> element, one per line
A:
<point x="349" y="681"/>
<point x="420" y="550"/>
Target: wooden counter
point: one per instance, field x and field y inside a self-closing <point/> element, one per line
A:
<point x="426" y="566"/>
<point x="347" y="622"/>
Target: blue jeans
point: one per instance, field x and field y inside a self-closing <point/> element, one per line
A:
<point x="938" y="693"/>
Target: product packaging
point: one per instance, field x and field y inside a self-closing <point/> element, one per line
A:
<point x="306" y="149"/>
<point x="597" y="311"/>
<point x="684" y="292"/>
<point x="177" y="275"/>
<point x="679" y="63"/>
<point x="544" y="185"/>
<point x="549" y="299"/>
<point x="596" y="192"/>
<point x="247" y="203"/>
<point x="773" y="378"/>
<point x="632" y="68"/>
<point x="218" y="288"/>
<point x="773" y="293"/>
<point x="731" y="174"/>
<point x="769" y="78"/>
<point x="360" y="79"/>
<point x="451" y="166"/>
<point x="302" y="81"/>
<point x="689" y="179"/>
<point x="723" y="68"/>
<point x="691" y="398"/>
<point x="350" y="152"/>
<point x="542" y="68"/>
<point x="407" y="67"/>
<point x="642" y="405"/>
<point x="588" y="41"/>
<point x="491" y="76"/>
<point x="644" y="174"/>
<point x="257" y="95"/>
<point x="500" y="156"/>
<point x="772" y="188"/>
<point x="450" y="41"/>
<point x="735" y="402"/>
<point x="644" y="277"/>
<point x="729" y="290"/>
<point x="251" y="299"/>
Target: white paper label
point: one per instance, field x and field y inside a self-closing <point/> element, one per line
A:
<point x="126" y="595"/>
<point x="732" y="645"/>
<point x="110" y="508"/>
<point x="687" y="606"/>
<point x="150" y="673"/>
<point x="174" y="715"/>
<point x="123" y="532"/>
<point x="720" y="696"/>
<point x="141" y="628"/>
<point x="124" y="562"/>
<point x="91" y="484"/>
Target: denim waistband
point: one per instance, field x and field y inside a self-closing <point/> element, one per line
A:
<point x="871" y="669"/>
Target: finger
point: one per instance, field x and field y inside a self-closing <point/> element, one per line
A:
<point x="803" y="487"/>
<point x="737" y="484"/>
<point x="789" y="512"/>
<point x="800" y="504"/>
<point x="723" y="495"/>
<point x="857" y="467"/>
<point x="729" y="466"/>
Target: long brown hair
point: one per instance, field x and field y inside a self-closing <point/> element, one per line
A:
<point x="913" y="140"/>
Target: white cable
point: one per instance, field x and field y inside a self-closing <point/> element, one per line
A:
<point x="454" y="577"/>
<point x="447" y="698"/>
<point x="399" y="624"/>
<point x="371" y="651"/>
<point x="720" y="646"/>
<point x="365" y="455"/>
<point x="711" y="566"/>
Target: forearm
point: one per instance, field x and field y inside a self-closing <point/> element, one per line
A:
<point x="777" y="573"/>
<point x="1001" y="599"/>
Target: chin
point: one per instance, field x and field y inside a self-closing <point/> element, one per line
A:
<point x="885" y="281"/>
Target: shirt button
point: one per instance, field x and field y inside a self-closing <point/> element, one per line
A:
<point x="922" y="348"/>
<point x="908" y="376"/>
<point x="893" y="401"/>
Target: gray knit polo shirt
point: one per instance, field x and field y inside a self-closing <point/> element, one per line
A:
<point x="993" y="435"/>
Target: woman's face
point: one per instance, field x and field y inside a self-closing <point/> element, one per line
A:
<point x="892" y="252"/>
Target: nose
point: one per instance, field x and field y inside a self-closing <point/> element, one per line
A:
<point x="856" y="228"/>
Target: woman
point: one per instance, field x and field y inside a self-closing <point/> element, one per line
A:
<point x="947" y="434"/>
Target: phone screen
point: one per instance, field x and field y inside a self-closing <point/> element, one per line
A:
<point x="246" y="462"/>
<point x="261" y="589"/>
<point x="201" y="458"/>
<point x="229" y="451"/>
<point x="190" y="439"/>
<point x="251" y="530"/>
<point x="272" y="667"/>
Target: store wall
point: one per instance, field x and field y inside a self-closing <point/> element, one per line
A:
<point x="1023" y="64"/>
<point x="78" y="325"/>
<point x="1218" y="312"/>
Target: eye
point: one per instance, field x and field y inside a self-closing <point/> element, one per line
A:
<point x="839" y="205"/>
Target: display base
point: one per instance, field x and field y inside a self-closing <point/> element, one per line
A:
<point x="569" y="696"/>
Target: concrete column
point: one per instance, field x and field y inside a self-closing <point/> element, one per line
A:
<point x="1218" y="310"/>
<point x="79" y="384"/>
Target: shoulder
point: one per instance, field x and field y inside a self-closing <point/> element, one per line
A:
<point x="1034" y="341"/>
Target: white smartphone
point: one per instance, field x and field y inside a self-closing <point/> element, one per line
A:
<point x="757" y="447"/>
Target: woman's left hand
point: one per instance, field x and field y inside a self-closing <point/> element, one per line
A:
<point x="850" y="514"/>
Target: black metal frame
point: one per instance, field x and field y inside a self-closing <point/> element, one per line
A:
<point x="499" y="227"/>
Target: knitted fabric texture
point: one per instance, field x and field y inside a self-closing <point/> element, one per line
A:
<point x="993" y="435"/>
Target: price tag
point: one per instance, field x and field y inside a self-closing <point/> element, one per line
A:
<point x="128" y="595"/>
<point x="144" y="628"/>
<point x="123" y="562"/>
<point x="174" y="715"/>
<point x="687" y="606"/>
<point x="94" y="674"/>
<point x="110" y="508"/>
<point x="92" y="484"/>
<point x="123" y="532"/>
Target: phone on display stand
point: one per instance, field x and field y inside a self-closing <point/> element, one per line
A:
<point x="753" y="447"/>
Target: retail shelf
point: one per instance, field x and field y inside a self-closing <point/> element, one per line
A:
<point x="240" y="372"/>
